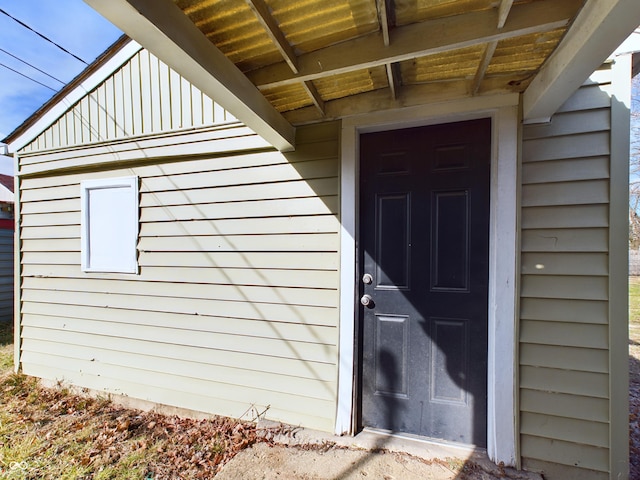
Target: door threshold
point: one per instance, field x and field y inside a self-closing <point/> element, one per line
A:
<point x="419" y="446"/>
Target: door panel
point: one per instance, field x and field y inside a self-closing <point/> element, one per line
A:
<point x="392" y="334"/>
<point x="449" y="361"/>
<point x="424" y="228"/>
<point x="450" y="242"/>
<point x="393" y="266"/>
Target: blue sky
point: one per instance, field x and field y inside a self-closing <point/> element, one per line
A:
<point x="70" y="23"/>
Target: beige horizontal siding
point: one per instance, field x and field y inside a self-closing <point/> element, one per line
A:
<point x="316" y="279"/>
<point x="234" y="377"/>
<point x="564" y="332"/>
<point x="558" y="263"/>
<point x="565" y="239"/>
<point x="294" y="332"/>
<point x="143" y="96"/>
<point x="567" y="334"/>
<point x="556" y="404"/>
<point x="269" y="243"/>
<point x="572" y="122"/>
<point x="226" y="142"/>
<point x="566" y="429"/>
<point x="567" y="310"/>
<point x="562" y="356"/>
<point x="567" y="453"/>
<point x="565" y="472"/>
<point x="193" y="306"/>
<point x="567" y="216"/>
<point x="586" y="192"/>
<point x="588" y="168"/>
<point x="201" y="398"/>
<point x="281" y="365"/>
<point x="236" y="342"/>
<point x="253" y="260"/>
<point x="564" y="286"/>
<point x="230" y="293"/>
<point x="236" y="302"/>
<point x="278" y="208"/>
<point x="594" y="96"/>
<point x="237" y="226"/>
<point x="208" y="141"/>
<point x="587" y="384"/>
<point x="573" y="146"/>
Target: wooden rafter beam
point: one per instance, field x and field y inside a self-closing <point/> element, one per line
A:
<point x="595" y="33"/>
<point x="261" y="10"/>
<point x="490" y="48"/>
<point x="162" y="28"/>
<point x="487" y="55"/>
<point x="385" y="14"/>
<point x="314" y="95"/>
<point x="384" y="21"/>
<point x="503" y="12"/>
<point x="410" y="41"/>
<point x="393" y="78"/>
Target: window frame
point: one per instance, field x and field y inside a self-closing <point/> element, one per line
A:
<point x="127" y="262"/>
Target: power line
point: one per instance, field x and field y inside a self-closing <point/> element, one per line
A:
<point x="32" y="66"/>
<point x="42" y="36"/>
<point x="27" y="76"/>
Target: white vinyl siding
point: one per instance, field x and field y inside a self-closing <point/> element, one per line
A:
<point x="564" y="314"/>
<point x="144" y="96"/>
<point x="235" y="308"/>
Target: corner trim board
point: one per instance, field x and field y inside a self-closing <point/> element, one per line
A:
<point x="618" y="268"/>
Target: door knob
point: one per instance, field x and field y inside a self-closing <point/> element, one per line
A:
<point x="367" y="279"/>
<point x="366" y="300"/>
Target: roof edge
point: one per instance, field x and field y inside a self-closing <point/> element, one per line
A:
<point x="598" y="29"/>
<point x="104" y="65"/>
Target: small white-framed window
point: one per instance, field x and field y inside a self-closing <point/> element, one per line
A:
<point x="109" y="225"/>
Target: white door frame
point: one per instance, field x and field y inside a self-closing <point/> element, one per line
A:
<point x="503" y="256"/>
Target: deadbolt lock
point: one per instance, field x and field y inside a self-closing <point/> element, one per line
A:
<point x="367" y="279"/>
<point x="366" y="300"/>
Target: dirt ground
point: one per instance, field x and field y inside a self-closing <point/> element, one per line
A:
<point x="264" y="462"/>
<point x="308" y="455"/>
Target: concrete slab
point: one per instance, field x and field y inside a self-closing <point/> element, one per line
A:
<point x="301" y="454"/>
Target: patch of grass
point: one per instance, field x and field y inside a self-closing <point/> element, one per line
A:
<point x="6" y="333"/>
<point x="6" y="346"/>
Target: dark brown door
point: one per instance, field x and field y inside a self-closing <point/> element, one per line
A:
<point x="424" y="233"/>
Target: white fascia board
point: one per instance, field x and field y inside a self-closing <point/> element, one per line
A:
<point x="60" y="108"/>
<point x="163" y="29"/>
<point x="600" y="27"/>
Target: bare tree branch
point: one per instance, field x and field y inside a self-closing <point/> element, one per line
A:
<point x="634" y="167"/>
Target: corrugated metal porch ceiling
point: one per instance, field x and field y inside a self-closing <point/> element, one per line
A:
<point x="304" y="55"/>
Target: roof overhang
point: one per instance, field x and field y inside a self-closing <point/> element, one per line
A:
<point x="162" y="28"/>
<point x="543" y="49"/>
<point x="600" y="27"/>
